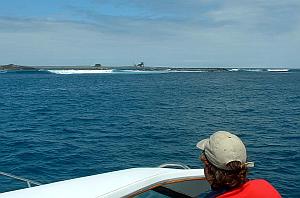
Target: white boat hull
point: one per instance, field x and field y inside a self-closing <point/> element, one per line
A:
<point x="124" y="183"/>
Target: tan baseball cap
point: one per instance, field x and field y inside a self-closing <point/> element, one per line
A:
<point x="223" y="147"/>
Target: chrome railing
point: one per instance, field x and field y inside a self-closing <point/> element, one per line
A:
<point x="174" y="165"/>
<point x="28" y="181"/>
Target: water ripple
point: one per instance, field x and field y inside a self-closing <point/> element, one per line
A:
<point x="56" y="127"/>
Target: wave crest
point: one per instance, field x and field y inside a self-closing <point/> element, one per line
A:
<point x="74" y="71"/>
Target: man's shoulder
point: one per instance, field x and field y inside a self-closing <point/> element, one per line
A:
<point x="253" y="188"/>
<point x="261" y="184"/>
<point x="258" y="182"/>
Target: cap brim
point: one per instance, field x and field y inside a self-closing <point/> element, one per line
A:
<point x="202" y="143"/>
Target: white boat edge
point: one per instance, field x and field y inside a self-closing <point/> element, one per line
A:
<point x="123" y="183"/>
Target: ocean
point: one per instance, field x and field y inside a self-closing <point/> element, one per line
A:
<point x="56" y="127"/>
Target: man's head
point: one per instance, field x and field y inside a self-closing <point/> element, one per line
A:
<point x="223" y="147"/>
<point x="224" y="157"/>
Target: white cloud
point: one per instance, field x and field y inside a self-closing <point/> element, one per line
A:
<point x="231" y="33"/>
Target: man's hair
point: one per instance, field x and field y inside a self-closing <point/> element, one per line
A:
<point x="233" y="178"/>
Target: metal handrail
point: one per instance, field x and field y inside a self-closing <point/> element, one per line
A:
<point x="28" y="181"/>
<point x="174" y="165"/>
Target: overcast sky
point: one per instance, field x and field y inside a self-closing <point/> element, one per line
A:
<point x="181" y="33"/>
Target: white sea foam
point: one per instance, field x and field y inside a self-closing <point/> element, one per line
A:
<point x="234" y="70"/>
<point x="253" y="70"/>
<point x="277" y="70"/>
<point x="74" y="71"/>
<point x="142" y="72"/>
<point x="187" y="71"/>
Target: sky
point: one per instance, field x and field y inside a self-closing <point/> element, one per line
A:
<point x="173" y="33"/>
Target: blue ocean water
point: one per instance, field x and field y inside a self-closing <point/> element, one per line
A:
<point x="57" y="127"/>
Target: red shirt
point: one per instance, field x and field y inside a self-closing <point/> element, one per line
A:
<point x="254" y="188"/>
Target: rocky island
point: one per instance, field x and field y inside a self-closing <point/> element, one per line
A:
<point x="16" y="67"/>
<point x="139" y="67"/>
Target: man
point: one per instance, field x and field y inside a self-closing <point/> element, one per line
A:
<point x="225" y="167"/>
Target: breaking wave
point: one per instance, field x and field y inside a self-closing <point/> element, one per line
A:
<point x="277" y="70"/>
<point x="245" y="70"/>
<point x="253" y="70"/>
<point x="115" y="71"/>
<point x="73" y="71"/>
<point x="188" y="71"/>
<point x="142" y="71"/>
<point x="257" y="70"/>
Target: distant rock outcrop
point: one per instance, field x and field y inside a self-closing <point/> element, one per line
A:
<point x="15" y="67"/>
<point x="97" y="65"/>
<point x="141" y="65"/>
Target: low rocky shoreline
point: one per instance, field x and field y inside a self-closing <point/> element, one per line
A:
<point x="14" y="67"/>
<point x="33" y="68"/>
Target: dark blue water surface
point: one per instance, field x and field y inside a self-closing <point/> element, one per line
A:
<point x="58" y="127"/>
